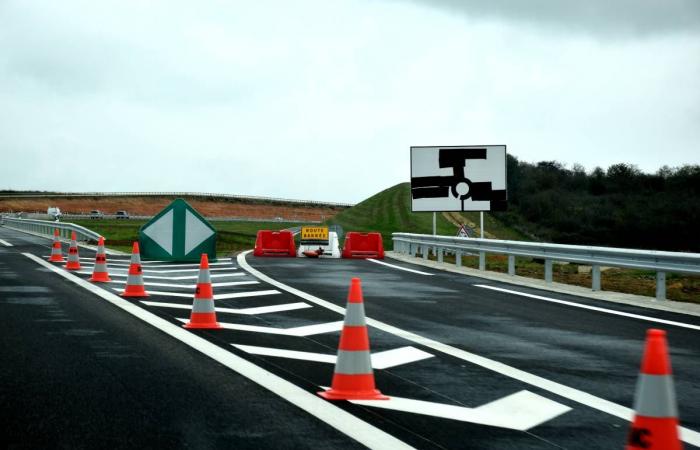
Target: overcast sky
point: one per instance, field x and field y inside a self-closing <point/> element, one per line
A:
<point x="321" y="99"/>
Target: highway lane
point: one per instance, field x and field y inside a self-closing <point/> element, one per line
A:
<point x="592" y="351"/>
<point x="75" y="372"/>
<point x="525" y="335"/>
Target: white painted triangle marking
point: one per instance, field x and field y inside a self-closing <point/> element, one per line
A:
<point x="216" y="296"/>
<point x="380" y="360"/>
<point x="520" y="411"/>
<point x="196" y="231"/>
<point x="193" y="286"/>
<point x="307" y="330"/>
<point x="245" y="311"/>
<point x="161" y="231"/>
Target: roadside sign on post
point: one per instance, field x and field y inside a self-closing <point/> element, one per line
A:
<point x="177" y="233"/>
<point x="463" y="232"/>
<point x="314" y="235"/>
<point x="464" y="178"/>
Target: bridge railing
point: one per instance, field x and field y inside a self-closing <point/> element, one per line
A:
<point x="47" y="227"/>
<point x="658" y="261"/>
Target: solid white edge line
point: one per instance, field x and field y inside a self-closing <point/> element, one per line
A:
<point x="5" y="243"/>
<point x="325" y="411"/>
<point x="584" y="398"/>
<point x="376" y="261"/>
<point x="592" y="308"/>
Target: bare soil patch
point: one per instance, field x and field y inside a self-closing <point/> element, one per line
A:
<point x="148" y="206"/>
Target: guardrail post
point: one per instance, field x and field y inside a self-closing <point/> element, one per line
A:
<point x="458" y="258"/>
<point x="425" y="249"/>
<point x="595" y="274"/>
<point x="661" y="285"/>
<point x="413" y="250"/>
<point x="439" y="254"/>
<point x="511" y="265"/>
<point x="548" y="270"/>
<point x="482" y="260"/>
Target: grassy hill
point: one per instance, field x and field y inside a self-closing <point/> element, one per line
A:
<point x="390" y="211"/>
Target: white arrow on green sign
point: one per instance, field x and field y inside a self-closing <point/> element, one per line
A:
<point x="177" y="233"/>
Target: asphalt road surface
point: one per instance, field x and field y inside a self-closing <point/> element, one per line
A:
<point x="467" y="362"/>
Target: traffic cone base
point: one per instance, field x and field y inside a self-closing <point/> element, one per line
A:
<point x="202" y="321"/>
<point x="353" y="387"/>
<point x="134" y="291"/>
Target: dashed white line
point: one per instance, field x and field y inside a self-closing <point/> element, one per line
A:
<point x="339" y="419"/>
<point x="376" y="261"/>
<point x="592" y="308"/>
<point x="5" y="243"/>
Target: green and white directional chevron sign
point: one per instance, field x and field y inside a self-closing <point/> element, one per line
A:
<point x="177" y="233"/>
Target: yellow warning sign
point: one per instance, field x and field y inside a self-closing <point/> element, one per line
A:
<point x="316" y="234"/>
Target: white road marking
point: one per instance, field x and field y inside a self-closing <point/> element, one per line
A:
<point x="128" y="260"/>
<point x="156" y="277"/>
<point x="148" y="269"/>
<point x="376" y="261"/>
<point x="339" y="419"/>
<point x="5" y="243"/>
<point x="606" y="406"/>
<point x="193" y="286"/>
<point x="307" y="330"/>
<point x="245" y="311"/>
<point x="380" y="360"/>
<point x="592" y="308"/>
<point x="216" y="296"/>
<point x="165" y="266"/>
<point x="520" y="411"/>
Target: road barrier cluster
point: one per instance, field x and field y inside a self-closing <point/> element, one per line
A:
<point x="596" y="257"/>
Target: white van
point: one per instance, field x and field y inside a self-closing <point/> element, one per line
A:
<point x="54" y="212"/>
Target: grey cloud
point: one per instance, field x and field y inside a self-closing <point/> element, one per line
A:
<point x="617" y="18"/>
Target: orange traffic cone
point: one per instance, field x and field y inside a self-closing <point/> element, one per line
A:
<point x="134" y="280"/>
<point x="203" y="312"/>
<point x="73" y="256"/>
<point x="56" y="253"/>
<point x="353" y="378"/>
<point x="655" y="424"/>
<point x="99" y="272"/>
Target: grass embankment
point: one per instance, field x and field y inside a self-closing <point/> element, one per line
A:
<point x="231" y="236"/>
<point x="390" y="211"/>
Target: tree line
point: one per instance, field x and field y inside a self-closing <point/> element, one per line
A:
<point x="620" y="206"/>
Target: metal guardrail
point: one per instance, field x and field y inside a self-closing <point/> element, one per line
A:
<point x="173" y="194"/>
<point x="47" y="227"/>
<point x="658" y="261"/>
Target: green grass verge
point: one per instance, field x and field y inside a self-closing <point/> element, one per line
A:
<point x="231" y="236"/>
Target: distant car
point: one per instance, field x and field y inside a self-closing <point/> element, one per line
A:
<point x="121" y="214"/>
<point x="96" y="214"/>
<point x="54" y="212"/>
